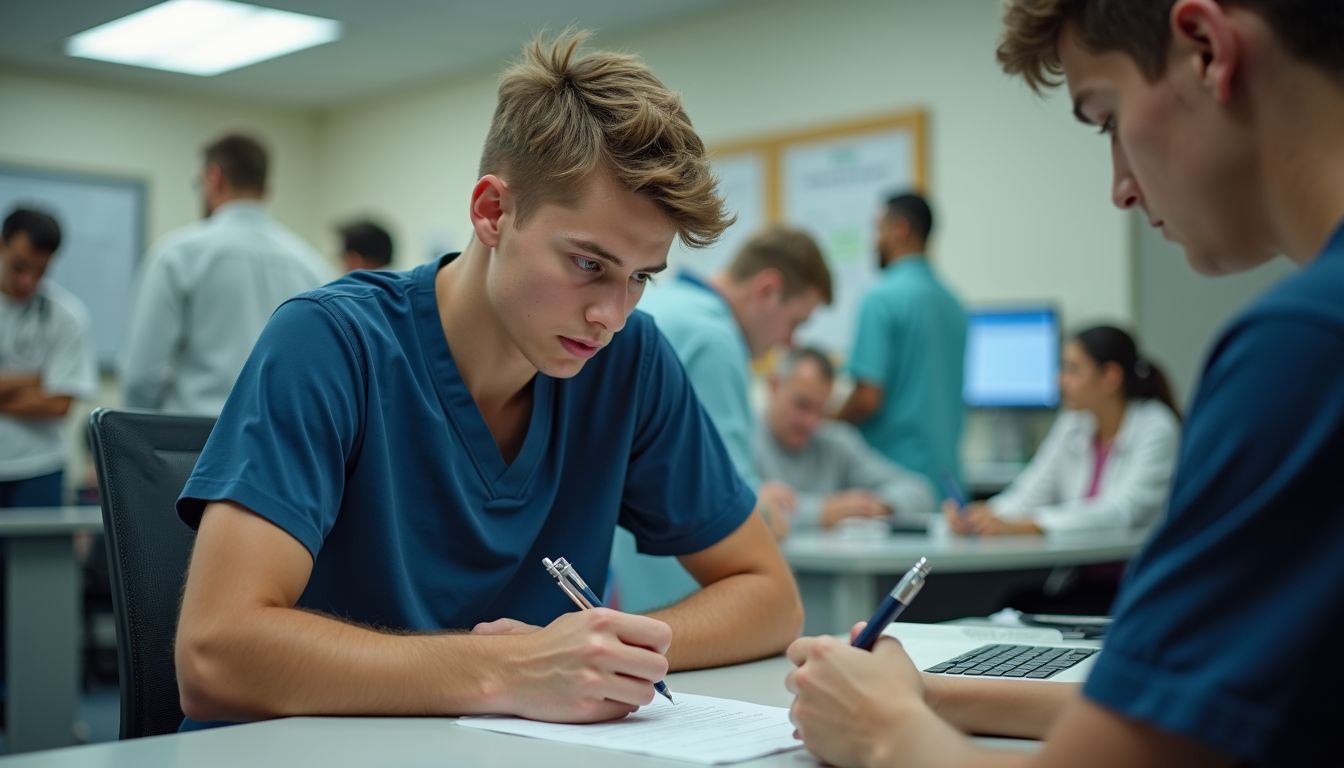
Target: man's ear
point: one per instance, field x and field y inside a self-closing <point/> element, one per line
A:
<point x="212" y="179"/>
<point x="1203" y="37"/>
<point x="491" y="205"/>
<point x="768" y="285"/>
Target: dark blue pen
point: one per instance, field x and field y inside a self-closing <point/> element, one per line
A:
<point x="953" y="491"/>
<point x="900" y="596"/>
<point x="573" y="585"/>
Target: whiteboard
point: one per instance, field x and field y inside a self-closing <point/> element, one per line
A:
<point x="102" y="222"/>
<point x="835" y="190"/>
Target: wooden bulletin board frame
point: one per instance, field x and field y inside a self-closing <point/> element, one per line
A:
<point x="772" y="148"/>
<point x="843" y="222"/>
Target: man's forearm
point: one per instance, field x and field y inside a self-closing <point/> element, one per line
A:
<point x="856" y="409"/>
<point x="33" y="403"/>
<point x="1018" y="708"/>
<point x="283" y="661"/>
<point x="12" y="384"/>
<point x="740" y="618"/>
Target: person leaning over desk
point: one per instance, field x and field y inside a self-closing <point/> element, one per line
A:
<point x="403" y="448"/>
<point x="1108" y="459"/>
<point x="836" y="474"/>
<point x="717" y="326"/>
<point x="1223" y="123"/>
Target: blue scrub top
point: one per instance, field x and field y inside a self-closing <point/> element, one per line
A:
<point x="351" y="429"/>
<point x="706" y="338"/>
<point x="1228" y="625"/>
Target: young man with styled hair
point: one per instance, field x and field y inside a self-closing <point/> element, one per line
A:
<point x="403" y="449"/>
<point x="1224" y="122"/>
<point x="717" y="325"/>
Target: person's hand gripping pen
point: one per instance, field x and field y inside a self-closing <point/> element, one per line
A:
<point x="573" y="585"/>
<point x="956" y="509"/>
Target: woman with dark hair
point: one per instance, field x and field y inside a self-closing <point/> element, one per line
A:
<point x="1108" y="459"/>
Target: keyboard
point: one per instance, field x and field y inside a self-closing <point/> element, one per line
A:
<point x="1030" y="661"/>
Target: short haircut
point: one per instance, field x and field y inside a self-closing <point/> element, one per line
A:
<point x="916" y="212"/>
<point x="791" y="252"/>
<point x="800" y="355"/>
<point x="563" y="117"/>
<point x="241" y="159"/>
<point x="368" y="240"/>
<point x="41" y="228"/>
<point x="1311" y="29"/>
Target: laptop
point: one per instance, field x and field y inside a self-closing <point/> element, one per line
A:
<point x="996" y="653"/>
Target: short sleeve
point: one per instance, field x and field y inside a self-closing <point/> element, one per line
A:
<point x="682" y="492"/>
<point x="1226" y="626"/>
<point x="71" y="369"/>
<point x="290" y="426"/>
<point x="870" y="359"/>
<point x="717" y="369"/>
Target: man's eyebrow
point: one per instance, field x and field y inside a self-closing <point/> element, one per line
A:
<point x="605" y="255"/>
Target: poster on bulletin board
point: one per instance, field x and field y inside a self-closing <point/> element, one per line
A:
<point x="742" y="182"/>
<point x="831" y="181"/>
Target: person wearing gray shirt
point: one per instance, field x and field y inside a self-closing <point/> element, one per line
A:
<point x="834" y="472"/>
<point x="207" y="290"/>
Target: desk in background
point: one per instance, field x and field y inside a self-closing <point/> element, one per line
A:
<point x="842" y="578"/>
<point x="42" y="622"/>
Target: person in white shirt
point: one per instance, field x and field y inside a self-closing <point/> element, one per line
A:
<point x="207" y="289"/>
<point x="835" y="474"/>
<point x="1107" y="461"/>
<point x="46" y="362"/>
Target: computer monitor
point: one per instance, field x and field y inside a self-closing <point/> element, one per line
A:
<point x="1012" y="358"/>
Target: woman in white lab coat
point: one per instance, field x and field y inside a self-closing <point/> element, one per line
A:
<point x="1108" y="459"/>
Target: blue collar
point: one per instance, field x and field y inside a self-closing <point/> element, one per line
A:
<point x="691" y="278"/>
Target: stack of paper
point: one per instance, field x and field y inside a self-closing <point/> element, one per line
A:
<point x="698" y="729"/>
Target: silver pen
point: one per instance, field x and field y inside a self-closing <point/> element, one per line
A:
<point x="577" y="589"/>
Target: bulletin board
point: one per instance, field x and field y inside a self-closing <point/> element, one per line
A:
<point x="832" y="181"/>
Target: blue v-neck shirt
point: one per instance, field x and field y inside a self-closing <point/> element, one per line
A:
<point x="352" y="430"/>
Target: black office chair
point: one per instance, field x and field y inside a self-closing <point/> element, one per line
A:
<point x="143" y="461"/>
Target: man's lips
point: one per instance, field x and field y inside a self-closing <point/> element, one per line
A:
<point x="581" y="349"/>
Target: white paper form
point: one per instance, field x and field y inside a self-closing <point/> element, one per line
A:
<point x="699" y="729"/>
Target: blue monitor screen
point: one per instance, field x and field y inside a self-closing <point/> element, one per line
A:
<point x="1012" y="358"/>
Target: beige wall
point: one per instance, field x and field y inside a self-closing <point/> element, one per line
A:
<point x="1021" y="189"/>
<point x="80" y="126"/>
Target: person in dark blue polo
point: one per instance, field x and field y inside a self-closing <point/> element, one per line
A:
<point x="1223" y="120"/>
<point x="402" y="449"/>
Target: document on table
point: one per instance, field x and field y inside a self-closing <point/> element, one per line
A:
<point x="697" y="729"/>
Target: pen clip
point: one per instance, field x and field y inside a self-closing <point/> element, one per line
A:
<point x="569" y="581"/>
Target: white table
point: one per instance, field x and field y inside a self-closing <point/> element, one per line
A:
<point x="393" y="742"/>
<point x="42" y="622"/>
<point x="838" y="573"/>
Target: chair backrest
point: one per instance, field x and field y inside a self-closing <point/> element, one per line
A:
<point x="143" y="461"/>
